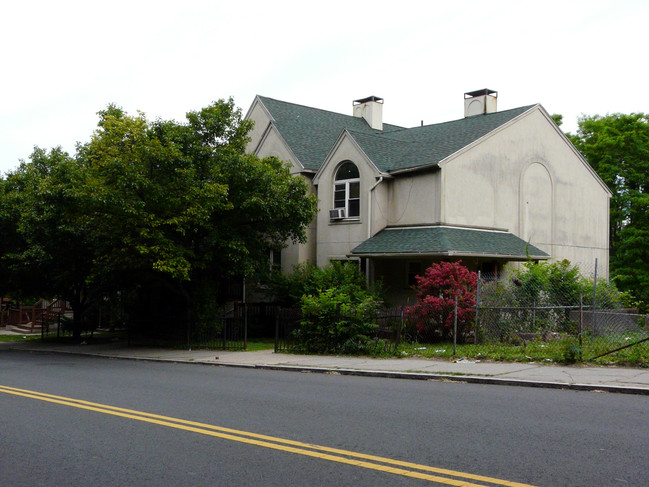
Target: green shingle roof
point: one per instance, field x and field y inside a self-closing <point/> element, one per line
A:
<point x="452" y="241"/>
<point x="311" y="134"/>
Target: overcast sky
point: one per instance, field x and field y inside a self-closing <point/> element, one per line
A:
<point x="63" y="61"/>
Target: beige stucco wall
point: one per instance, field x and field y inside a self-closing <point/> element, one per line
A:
<point x="335" y="240"/>
<point x="260" y="117"/>
<point x="527" y="179"/>
<point x="402" y="200"/>
<point x="273" y="146"/>
<point x="268" y="143"/>
<point x="296" y="253"/>
<point x="414" y="199"/>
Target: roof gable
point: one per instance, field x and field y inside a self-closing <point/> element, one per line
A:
<point x="579" y="155"/>
<point x="345" y="137"/>
<point x="430" y="144"/>
<point x="311" y="133"/>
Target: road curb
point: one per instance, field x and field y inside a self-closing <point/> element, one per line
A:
<point x="470" y="379"/>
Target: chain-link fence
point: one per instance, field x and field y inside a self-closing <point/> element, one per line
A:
<point x="556" y="313"/>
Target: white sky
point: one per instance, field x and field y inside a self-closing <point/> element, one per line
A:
<point x="63" y="61"/>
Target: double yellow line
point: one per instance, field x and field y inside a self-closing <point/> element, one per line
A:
<point x="372" y="462"/>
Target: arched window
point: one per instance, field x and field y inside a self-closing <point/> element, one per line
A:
<point x="347" y="190"/>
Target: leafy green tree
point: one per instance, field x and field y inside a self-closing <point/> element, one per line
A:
<point x="51" y="250"/>
<point x="307" y="279"/>
<point x="150" y="205"/>
<point x="11" y="240"/>
<point x="617" y="147"/>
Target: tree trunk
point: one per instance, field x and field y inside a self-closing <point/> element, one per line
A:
<point x="78" y="311"/>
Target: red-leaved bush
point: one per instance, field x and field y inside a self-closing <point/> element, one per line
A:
<point x="437" y="289"/>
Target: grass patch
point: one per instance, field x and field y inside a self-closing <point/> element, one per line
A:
<point x="19" y="338"/>
<point x="253" y="345"/>
<point x="257" y="344"/>
<point x="563" y="351"/>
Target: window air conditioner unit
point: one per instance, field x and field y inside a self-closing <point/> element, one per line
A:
<point x="337" y="213"/>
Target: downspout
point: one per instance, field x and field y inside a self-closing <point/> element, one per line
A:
<point x="369" y="225"/>
<point x="369" y="207"/>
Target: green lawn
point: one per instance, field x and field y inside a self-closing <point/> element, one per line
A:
<point x="18" y="338"/>
<point x="559" y="351"/>
<point x="253" y="344"/>
<point x="256" y="344"/>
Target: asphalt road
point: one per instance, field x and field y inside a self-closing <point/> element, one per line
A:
<point x="317" y="429"/>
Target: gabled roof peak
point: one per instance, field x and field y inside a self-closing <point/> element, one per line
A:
<point x="312" y="132"/>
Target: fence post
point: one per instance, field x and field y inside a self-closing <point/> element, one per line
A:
<point x="594" y="308"/>
<point x="245" y="326"/>
<point x="277" y="312"/>
<point x="454" y="325"/>
<point x="188" y="317"/>
<point x="581" y="319"/>
<point x="477" y="308"/>
<point x="400" y="330"/>
<point x="224" y="331"/>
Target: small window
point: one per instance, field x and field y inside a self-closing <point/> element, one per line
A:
<point x="347" y="170"/>
<point x="347" y="190"/>
<point x="275" y="260"/>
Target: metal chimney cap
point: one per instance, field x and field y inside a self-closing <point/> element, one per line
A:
<point x="484" y="91"/>
<point x="369" y="98"/>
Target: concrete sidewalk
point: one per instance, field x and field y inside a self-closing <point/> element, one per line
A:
<point x="610" y="379"/>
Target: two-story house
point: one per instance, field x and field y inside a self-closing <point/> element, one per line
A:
<point x="488" y="189"/>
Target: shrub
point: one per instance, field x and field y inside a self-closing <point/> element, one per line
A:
<point x="338" y="309"/>
<point x="335" y="321"/>
<point x="555" y="284"/>
<point x="307" y="279"/>
<point x="538" y="298"/>
<point x="437" y="290"/>
<point x="607" y="296"/>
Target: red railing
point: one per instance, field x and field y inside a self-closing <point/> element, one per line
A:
<point x="39" y="313"/>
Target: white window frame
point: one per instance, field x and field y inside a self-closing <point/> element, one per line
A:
<point x="345" y="185"/>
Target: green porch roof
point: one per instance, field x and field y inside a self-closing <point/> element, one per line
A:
<point x="448" y="241"/>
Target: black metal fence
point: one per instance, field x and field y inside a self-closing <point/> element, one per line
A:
<point x="58" y="326"/>
<point x="229" y="330"/>
<point x="287" y="322"/>
<point x="386" y="335"/>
